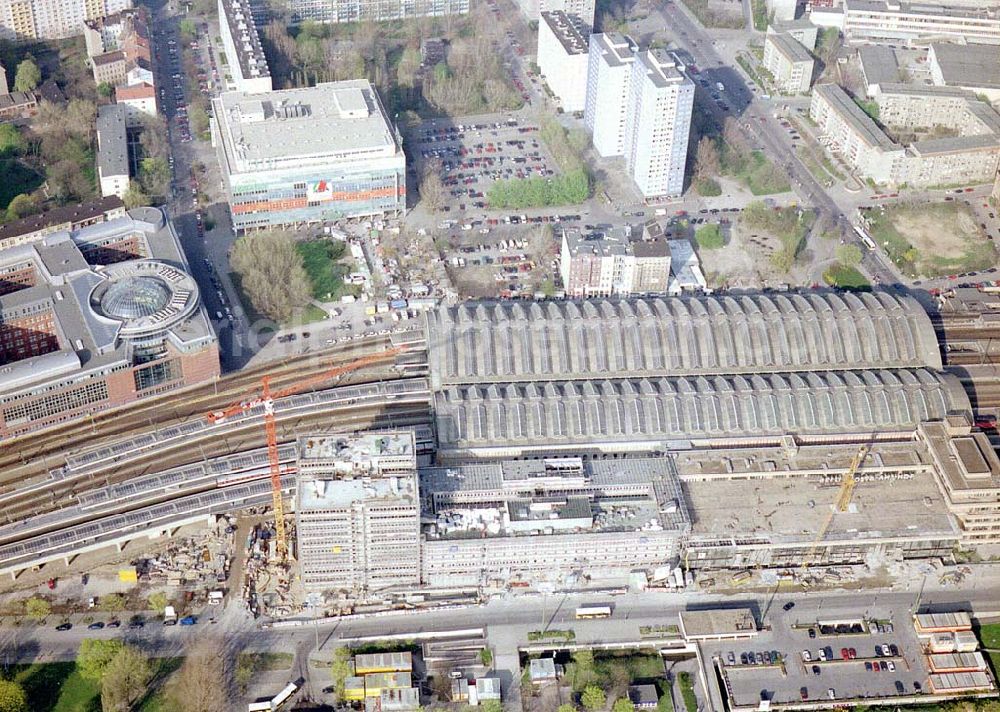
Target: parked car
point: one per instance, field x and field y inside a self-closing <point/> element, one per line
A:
<point x="64" y="626"/>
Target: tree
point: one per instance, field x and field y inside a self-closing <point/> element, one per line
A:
<point x="706" y="162"/>
<point x="340" y="669"/>
<point x="432" y="190"/>
<point x="12" y="141"/>
<point x="105" y="89"/>
<point x="593" y="698"/>
<point x="849" y="255"/>
<point x="623" y="704"/>
<point x="491" y="706"/>
<point x="486" y="657"/>
<point x="12" y="697"/>
<point x="188" y="29"/>
<point x="37" y="608"/>
<point x="200" y="683"/>
<point x="566" y="707"/>
<point x="271" y="273"/>
<point x="125" y="680"/>
<point x="21" y="206"/>
<point x="158" y="602"/>
<point x="153" y="139"/>
<point x="28" y="76"/>
<point x="154" y="176"/>
<point x="135" y="197"/>
<point x="113" y="603"/>
<point x="94" y="657"/>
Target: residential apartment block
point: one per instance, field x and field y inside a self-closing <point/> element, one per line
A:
<point x="112" y="150"/>
<point x="25" y="20"/>
<point x="969" y="158"/>
<point x="68" y="218"/>
<point x="610" y="263"/>
<point x="563" y="60"/>
<point x="900" y="20"/>
<point x="782" y="9"/>
<point x="802" y="31"/>
<point x="308" y="155"/>
<point x="657" y="124"/>
<point x="610" y="67"/>
<point x="584" y="9"/>
<point x="358" y="512"/>
<point x="139" y="100"/>
<point x="788" y="62"/>
<point x="241" y="42"/>
<point x="374" y="10"/>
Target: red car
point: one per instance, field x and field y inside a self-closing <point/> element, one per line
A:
<point x="852" y="653"/>
<point x="844" y="655"/>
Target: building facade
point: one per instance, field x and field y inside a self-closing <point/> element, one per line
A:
<point x="315" y="154"/>
<point x="782" y="9"/>
<point x="358" y="512"/>
<point x="788" y="62"/>
<point x="563" y="46"/>
<point x="583" y="9"/>
<point x="610" y="67"/>
<point x="139" y="101"/>
<point x="98" y="318"/>
<point x="898" y="20"/>
<point x="112" y="150"/>
<point x="25" y="20"/>
<point x="67" y="218"/>
<point x="241" y="43"/>
<point x="375" y="10"/>
<point x="657" y="124"/>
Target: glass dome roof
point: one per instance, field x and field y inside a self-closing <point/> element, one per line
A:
<point x="135" y="297"/>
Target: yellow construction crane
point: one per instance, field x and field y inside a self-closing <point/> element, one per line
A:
<point x="843" y="500"/>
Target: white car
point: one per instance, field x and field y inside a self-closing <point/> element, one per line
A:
<point x="807" y="656"/>
<point x="891" y="665"/>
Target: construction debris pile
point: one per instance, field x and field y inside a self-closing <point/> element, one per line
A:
<point x="193" y="563"/>
<point x="267" y="587"/>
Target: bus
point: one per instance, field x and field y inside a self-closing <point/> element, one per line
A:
<point x="593" y="612"/>
<point x="865" y="238"/>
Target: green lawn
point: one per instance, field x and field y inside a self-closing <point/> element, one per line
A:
<point x="322" y="260"/>
<point x="839" y="275"/>
<point x="57" y="687"/>
<point x="989" y="634"/>
<point x="710" y="237"/>
<point x="687" y="691"/>
<point x="17" y="179"/>
<point x="266" y="662"/>
<point x="754" y="170"/>
<point x="707" y="187"/>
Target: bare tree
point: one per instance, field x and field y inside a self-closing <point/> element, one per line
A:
<point x="272" y="273"/>
<point x="201" y="683"/>
<point x="707" y="163"/>
<point x="432" y="190"/>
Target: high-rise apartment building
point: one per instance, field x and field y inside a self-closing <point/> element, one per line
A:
<point x="788" y="62"/>
<point x="563" y="42"/>
<point x="24" y="20"/>
<point x="584" y="9"/>
<point x="657" y="124"/>
<point x="375" y="10"/>
<point x="358" y="512"/>
<point x="241" y="42"/>
<point x="611" y="57"/>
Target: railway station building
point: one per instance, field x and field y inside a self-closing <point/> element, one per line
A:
<point x="96" y="318"/>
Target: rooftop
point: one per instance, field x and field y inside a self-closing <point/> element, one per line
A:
<point x="67" y="215"/>
<point x="615" y="48"/>
<point x="320" y="493"/>
<point x="336" y="121"/>
<point x="661" y="68"/>
<point x="968" y="65"/>
<point x="717" y="622"/>
<point x="899" y="7"/>
<point x="878" y="64"/>
<point x="112" y="141"/>
<point x="615" y="241"/>
<point x="789" y="47"/>
<point x="480" y="342"/>
<point x="243" y="31"/>
<point x="572" y="32"/>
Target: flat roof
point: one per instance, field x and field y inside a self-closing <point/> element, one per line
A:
<point x="956" y="144"/>
<point x="968" y="65"/>
<point x="615" y="49"/>
<point x="112" y="141"/>
<point x="860" y="122"/>
<point x="609" y="242"/>
<point x="572" y="32"/>
<point x="65" y="215"/>
<point x="789" y="47"/>
<point x="359" y="449"/>
<point x="878" y="64"/>
<point x="324" y="123"/>
<point x="900" y="7"/>
<point x="716" y="622"/>
<point x="321" y="493"/>
<point x="661" y="68"/>
<point x="243" y="31"/>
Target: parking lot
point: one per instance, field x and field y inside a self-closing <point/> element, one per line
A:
<point x="848" y="660"/>
<point x="470" y="157"/>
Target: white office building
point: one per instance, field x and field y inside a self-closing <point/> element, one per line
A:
<point x="657" y="124"/>
<point x="899" y="21"/>
<point x="610" y="67"/>
<point x="563" y="42"/>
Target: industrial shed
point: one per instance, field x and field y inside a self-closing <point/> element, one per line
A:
<point x="511" y="419"/>
<point x="481" y="342"/>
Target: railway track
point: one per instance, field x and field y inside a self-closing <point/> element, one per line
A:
<point x="239" y="435"/>
<point x="33" y="454"/>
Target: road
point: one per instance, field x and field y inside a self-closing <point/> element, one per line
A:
<point x="766" y="131"/>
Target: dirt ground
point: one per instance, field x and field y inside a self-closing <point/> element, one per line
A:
<point x="935" y="234"/>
